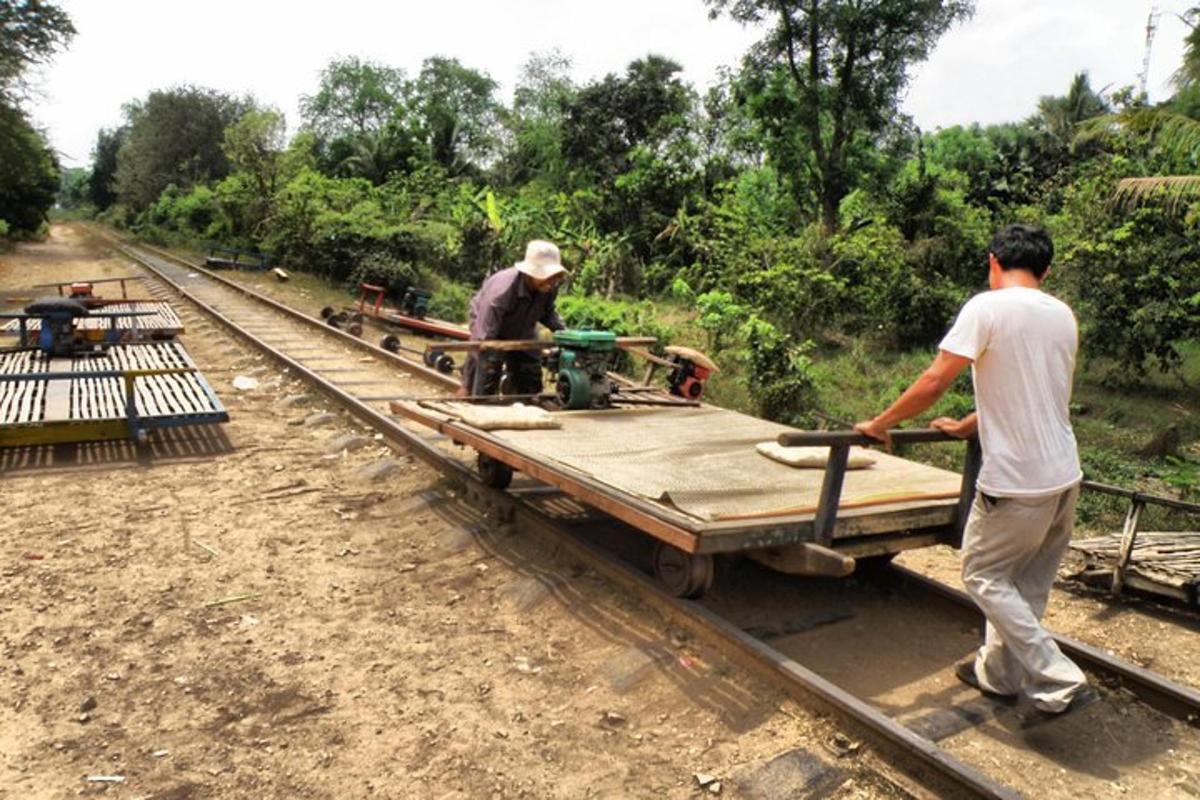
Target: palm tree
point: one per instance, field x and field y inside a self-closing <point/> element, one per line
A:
<point x="1174" y="133"/>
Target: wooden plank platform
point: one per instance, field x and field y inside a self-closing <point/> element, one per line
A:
<point x="1162" y="562"/>
<point x="692" y="476"/>
<point x="83" y="408"/>
<point x="163" y="322"/>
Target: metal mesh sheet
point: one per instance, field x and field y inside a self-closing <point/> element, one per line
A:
<point x="703" y="461"/>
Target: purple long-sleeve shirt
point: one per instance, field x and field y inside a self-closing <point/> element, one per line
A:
<point x="506" y="308"/>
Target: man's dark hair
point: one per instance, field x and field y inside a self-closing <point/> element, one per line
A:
<point x="1023" y="247"/>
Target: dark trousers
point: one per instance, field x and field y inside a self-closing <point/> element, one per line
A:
<point x="482" y="372"/>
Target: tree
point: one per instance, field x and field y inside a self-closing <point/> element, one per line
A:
<point x="534" y="150"/>
<point x="102" y="184"/>
<point x="607" y="119"/>
<point x="176" y="137"/>
<point x="73" y="188"/>
<point x="30" y="32"/>
<point x="355" y="98"/>
<point x="457" y="114"/>
<point x="29" y="174"/>
<point x="254" y="143"/>
<point x="831" y="69"/>
<point x="1059" y="117"/>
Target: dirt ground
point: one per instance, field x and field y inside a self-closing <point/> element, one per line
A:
<point x="254" y="613"/>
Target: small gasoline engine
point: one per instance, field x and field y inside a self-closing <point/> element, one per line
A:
<point x="581" y="362"/>
<point x="689" y="369"/>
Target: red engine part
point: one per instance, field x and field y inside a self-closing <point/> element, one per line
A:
<point x="81" y="290"/>
<point x="687" y="379"/>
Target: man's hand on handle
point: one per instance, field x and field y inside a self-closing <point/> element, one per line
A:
<point x="963" y="428"/>
<point x="875" y="430"/>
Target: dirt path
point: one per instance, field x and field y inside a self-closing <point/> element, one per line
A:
<point x="388" y="644"/>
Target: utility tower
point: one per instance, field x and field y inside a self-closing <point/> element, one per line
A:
<point x="1151" y="28"/>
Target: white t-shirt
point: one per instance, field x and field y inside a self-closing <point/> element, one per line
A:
<point x="1022" y="344"/>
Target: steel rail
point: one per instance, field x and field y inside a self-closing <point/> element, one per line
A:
<point x="406" y="364"/>
<point x="918" y="758"/>
<point x="1156" y="691"/>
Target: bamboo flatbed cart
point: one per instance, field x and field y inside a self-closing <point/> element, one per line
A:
<point x="123" y="391"/>
<point x="135" y="320"/>
<point x="110" y="319"/>
<point x="410" y="316"/>
<point x="1166" y="563"/>
<point x="690" y="477"/>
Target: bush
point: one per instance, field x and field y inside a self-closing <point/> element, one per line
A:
<point x="450" y="301"/>
<point x="380" y="269"/>
<point x="781" y="377"/>
<point x="3" y="228"/>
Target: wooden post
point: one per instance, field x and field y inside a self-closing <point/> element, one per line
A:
<point x="831" y="494"/>
<point x="1128" y="538"/>
<point x="972" y="463"/>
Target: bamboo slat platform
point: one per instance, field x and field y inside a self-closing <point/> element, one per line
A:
<point x="1162" y="562"/>
<point x="162" y="323"/>
<point x="84" y="398"/>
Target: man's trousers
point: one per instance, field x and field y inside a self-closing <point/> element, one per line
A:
<point x="1012" y="548"/>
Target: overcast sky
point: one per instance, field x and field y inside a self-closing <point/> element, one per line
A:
<point x="992" y="68"/>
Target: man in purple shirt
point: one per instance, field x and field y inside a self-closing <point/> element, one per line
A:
<point x="509" y="305"/>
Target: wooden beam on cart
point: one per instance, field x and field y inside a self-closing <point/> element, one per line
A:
<point x="508" y="345"/>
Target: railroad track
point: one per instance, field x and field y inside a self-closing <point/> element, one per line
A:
<point x="928" y="734"/>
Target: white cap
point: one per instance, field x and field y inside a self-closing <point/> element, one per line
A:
<point x="542" y="260"/>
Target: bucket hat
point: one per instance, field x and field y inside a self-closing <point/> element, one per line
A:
<point x="542" y="260"/>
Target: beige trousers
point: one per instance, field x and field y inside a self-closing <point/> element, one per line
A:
<point x="1012" y="547"/>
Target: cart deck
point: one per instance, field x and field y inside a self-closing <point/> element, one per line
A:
<point x="85" y="398"/>
<point x="156" y="320"/>
<point x="691" y="477"/>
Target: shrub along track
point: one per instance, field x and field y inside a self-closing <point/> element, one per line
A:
<point x="877" y="650"/>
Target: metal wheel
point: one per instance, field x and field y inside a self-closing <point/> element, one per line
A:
<point x="495" y="474"/>
<point x="327" y="312"/>
<point x="429" y="357"/>
<point x="358" y="317"/>
<point x="444" y="364"/>
<point x="683" y="574"/>
<point x="390" y="343"/>
<point x="354" y="329"/>
<point x="334" y="320"/>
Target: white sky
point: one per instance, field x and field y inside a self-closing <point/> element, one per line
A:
<point x="990" y="69"/>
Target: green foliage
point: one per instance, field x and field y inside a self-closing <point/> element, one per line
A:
<point x="176" y="137"/>
<point x="889" y="293"/>
<point x="821" y="76"/>
<point x="1143" y="270"/>
<point x="29" y="174"/>
<point x="381" y="269"/>
<point x="3" y="229"/>
<point x="30" y="32"/>
<point x="73" y="188"/>
<point x="355" y="97"/>
<point x="622" y="317"/>
<point x="451" y="300"/>
<point x="457" y="114"/>
<point x="719" y="316"/>
<point x="779" y="373"/>
<point x="102" y="185"/>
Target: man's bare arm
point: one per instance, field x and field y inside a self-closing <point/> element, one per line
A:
<point x="922" y="394"/>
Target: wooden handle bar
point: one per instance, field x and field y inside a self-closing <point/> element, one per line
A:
<point x="846" y="438"/>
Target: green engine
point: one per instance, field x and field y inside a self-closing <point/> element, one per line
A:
<point x="581" y="363"/>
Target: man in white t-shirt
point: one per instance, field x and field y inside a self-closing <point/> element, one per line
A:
<point x="1021" y="344"/>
